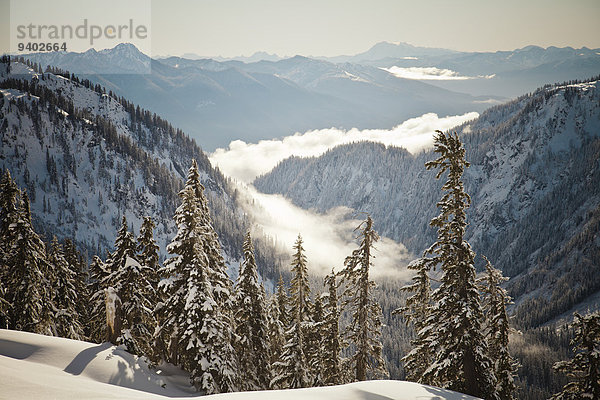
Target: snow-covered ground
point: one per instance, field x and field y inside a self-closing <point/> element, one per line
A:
<point x="42" y="367"/>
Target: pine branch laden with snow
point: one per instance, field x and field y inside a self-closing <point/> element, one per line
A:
<point x="364" y="331"/>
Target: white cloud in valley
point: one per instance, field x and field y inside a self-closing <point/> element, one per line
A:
<point x="328" y="238"/>
<point x="430" y="73"/>
<point x="245" y="161"/>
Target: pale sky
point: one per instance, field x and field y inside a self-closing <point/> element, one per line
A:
<point x="335" y="27"/>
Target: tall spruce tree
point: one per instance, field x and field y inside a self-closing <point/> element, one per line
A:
<point x="584" y="368"/>
<point x="332" y="342"/>
<point x="28" y="289"/>
<point x="314" y="343"/>
<point x="197" y="324"/>
<point x="8" y="216"/>
<point x="497" y="331"/>
<point x="364" y="330"/>
<point x="252" y="344"/>
<point x="461" y="361"/>
<point x="292" y="370"/>
<point x="148" y="258"/>
<point x="66" y="319"/>
<point x="278" y="321"/>
<point x="417" y="312"/>
<point x="77" y="264"/>
<point x="97" y="320"/>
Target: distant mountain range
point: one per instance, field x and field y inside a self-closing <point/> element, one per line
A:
<point x="535" y="184"/>
<point x="217" y="102"/>
<point x="263" y="97"/>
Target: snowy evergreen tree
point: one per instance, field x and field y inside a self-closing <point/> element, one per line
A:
<point x="66" y="319"/>
<point x="332" y="342"/>
<point x="198" y="327"/>
<point x="282" y="302"/>
<point x="417" y="312"/>
<point x="148" y="259"/>
<point x="497" y="331"/>
<point x="8" y="216"/>
<point x="28" y="291"/>
<point x="584" y="369"/>
<point x="292" y="370"/>
<point x="314" y="343"/>
<point x="461" y="360"/>
<point x="97" y="319"/>
<point x="252" y="344"/>
<point x="364" y="331"/>
<point x="278" y="321"/>
<point x="77" y="264"/>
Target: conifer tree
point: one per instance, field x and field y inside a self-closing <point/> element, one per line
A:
<point x="332" y="343"/>
<point x="584" y="368"/>
<point x="198" y="326"/>
<point x="252" y="344"/>
<point x="364" y="331"/>
<point x="77" y="264"/>
<point x="461" y="361"/>
<point x="8" y="216"/>
<point x="282" y="302"/>
<point x="97" y="319"/>
<point x="314" y="343"/>
<point x="278" y="321"/>
<point x="417" y="312"/>
<point x="66" y="320"/>
<point x="292" y="370"/>
<point x="497" y="330"/>
<point x="148" y="259"/>
<point x="28" y="291"/>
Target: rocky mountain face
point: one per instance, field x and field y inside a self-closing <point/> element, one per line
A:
<point x="87" y="158"/>
<point x="535" y="186"/>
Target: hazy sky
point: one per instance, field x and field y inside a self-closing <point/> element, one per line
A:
<point x="334" y="27"/>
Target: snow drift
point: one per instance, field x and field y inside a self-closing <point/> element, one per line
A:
<point x="43" y="367"/>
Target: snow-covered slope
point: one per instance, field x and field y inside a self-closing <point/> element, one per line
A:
<point x="534" y="181"/>
<point x="42" y="367"/>
<point x="86" y="158"/>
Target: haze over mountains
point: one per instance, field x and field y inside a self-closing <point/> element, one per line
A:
<point x="263" y="97"/>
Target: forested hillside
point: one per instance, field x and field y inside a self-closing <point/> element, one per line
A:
<point x="534" y="181"/>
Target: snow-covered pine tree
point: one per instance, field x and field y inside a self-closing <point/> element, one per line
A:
<point x="8" y="216"/>
<point x="198" y="328"/>
<point x="417" y="312"/>
<point x="497" y="331"/>
<point x="314" y="343"/>
<point x="282" y="302"/>
<point x="584" y="368"/>
<point x="97" y="319"/>
<point x="252" y="343"/>
<point x="364" y="331"/>
<point x="66" y="319"/>
<point x="292" y="371"/>
<point x="78" y="265"/>
<point x="148" y="258"/>
<point x="278" y="320"/>
<point x="332" y="342"/>
<point x="461" y="360"/>
<point x="27" y="288"/>
<point x="123" y="268"/>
